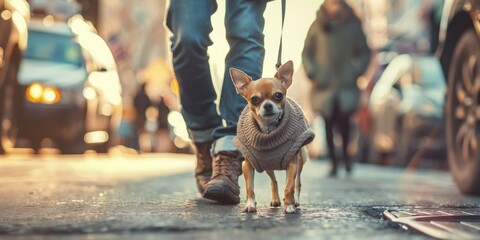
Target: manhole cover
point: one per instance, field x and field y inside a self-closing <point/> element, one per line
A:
<point x="439" y="223"/>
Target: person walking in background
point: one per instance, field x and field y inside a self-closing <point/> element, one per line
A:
<point x="335" y="54"/>
<point x="218" y="161"/>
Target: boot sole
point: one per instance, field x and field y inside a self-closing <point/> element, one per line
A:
<point x="221" y="194"/>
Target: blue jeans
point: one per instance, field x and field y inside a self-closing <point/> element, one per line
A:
<point x="189" y="21"/>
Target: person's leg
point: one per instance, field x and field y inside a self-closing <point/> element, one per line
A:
<point x="189" y="22"/>
<point x="329" y="125"/>
<point x="244" y="25"/>
<point x="333" y="123"/>
<point x="244" y="29"/>
<point x="345" y="128"/>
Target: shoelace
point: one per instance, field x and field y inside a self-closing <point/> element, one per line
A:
<point x="224" y="166"/>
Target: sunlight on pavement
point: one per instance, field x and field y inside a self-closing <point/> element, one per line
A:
<point x="93" y="167"/>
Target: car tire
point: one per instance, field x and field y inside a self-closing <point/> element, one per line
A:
<point x="77" y="146"/>
<point x="463" y="114"/>
<point x="10" y="106"/>
<point x="36" y="145"/>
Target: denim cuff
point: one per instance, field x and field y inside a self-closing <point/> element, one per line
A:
<point x="223" y="144"/>
<point x="202" y="135"/>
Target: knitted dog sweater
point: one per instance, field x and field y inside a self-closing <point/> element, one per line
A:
<point x="272" y="151"/>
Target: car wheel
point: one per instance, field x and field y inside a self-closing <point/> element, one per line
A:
<point x="77" y="146"/>
<point x="36" y="145"/>
<point x="463" y="114"/>
<point x="9" y="108"/>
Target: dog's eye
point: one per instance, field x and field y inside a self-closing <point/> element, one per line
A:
<point x="255" y="100"/>
<point x="278" y="96"/>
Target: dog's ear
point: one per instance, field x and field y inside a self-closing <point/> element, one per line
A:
<point x="240" y="80"/>
<point x="285" y="74"/>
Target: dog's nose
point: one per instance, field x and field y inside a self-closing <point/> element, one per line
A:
<point x="268" y="107"/>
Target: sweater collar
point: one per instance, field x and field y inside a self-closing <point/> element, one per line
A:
<point x="277" y="122"/>
<point x="252" y="135"/>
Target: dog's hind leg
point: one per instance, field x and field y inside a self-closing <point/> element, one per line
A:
<point x="301" y="158"/>
<point x="275" y="197"/>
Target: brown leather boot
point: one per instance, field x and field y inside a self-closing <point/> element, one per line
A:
<point x="203" y="170"/>
<point x="223" y="186"/>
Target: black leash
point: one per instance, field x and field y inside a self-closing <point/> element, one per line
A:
<point x="279" y="59"/>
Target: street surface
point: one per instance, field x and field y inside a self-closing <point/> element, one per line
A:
<point x="153" y="196"/>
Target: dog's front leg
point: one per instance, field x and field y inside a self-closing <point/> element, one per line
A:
<point x="289" y="199"/>
<point x="275" y="197"/>
<point x="249" y="173"/>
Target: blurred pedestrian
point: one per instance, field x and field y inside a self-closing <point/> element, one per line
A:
<point x="335" y="54"/>
<point x="218" y="161"/>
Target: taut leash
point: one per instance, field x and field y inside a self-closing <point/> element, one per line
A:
<point x="279" y="59"/>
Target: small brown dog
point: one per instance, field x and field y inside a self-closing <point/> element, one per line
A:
<point x="271" y="134"/>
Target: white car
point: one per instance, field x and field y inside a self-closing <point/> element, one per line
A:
<point x="72" y="91"/>
<point x="407" y="105"/>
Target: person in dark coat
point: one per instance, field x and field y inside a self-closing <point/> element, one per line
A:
<point x="335" y="54"/>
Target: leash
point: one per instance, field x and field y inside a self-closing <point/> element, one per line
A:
<point x="279" y="59"/>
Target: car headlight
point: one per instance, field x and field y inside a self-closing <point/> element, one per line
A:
<point x="39" y="93"/>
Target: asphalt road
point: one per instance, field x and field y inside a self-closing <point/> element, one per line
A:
<point x="154" y="196"/>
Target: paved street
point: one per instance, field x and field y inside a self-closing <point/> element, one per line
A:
<point x="154" y="196"/>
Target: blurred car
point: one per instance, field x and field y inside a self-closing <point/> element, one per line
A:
<point x="459" y="53"/>
<point x="70" y="85"/>
<point x="14" y="16"/>
<point x="407" y="109"/>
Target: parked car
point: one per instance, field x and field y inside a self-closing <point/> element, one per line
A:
<point x="70" y="85"/>
<point x="15" y="15"/>
<point x="459" y="53"/>
<point x="407" y="109"/>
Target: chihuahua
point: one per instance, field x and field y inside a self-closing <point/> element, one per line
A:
<point x="271" y="134"/>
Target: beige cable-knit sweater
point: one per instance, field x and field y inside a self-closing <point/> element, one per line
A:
<point x="271" y="151"/>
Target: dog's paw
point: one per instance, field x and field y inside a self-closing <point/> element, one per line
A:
<point x="275" y="203"/>
<point x="297" y="204"/>
<point x="250" y="209"/>
<point x="251" y="206"/>
<point x="290" y="209"/>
